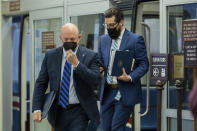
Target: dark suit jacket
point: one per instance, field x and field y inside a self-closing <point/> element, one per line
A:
<point x="86" y="76"/>
<point x="130" y="91"/>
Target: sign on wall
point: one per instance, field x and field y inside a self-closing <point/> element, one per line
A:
<point x="159" y="67"/>
<point x="47" y="41"/>
<point x="189" y="35"/>
<point x="178" y="66"/>
<point x="15" y="5"/>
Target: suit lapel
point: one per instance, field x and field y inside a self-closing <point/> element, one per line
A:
<point x="108" y="47"/>
<point x="80" y="54"/>
<point x="59" y="65"/>
<point x="124" y="40"/>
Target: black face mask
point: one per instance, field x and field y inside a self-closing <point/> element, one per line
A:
<point x="70" y="45"/>
<point x="113" y="33"/>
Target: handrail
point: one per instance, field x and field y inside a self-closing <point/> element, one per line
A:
<point x="148" y="73"/>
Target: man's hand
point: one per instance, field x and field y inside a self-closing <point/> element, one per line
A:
<point x="37" y="116"/>
<point x="72" y="58"/>
<point x="124" y="76"/>
<point x="101" y="69"/>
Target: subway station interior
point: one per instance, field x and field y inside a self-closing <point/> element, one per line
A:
<point x="162" y="23"/>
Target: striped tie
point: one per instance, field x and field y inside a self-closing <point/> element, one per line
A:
<point x="114" y="47"/>
<point x="64" y="91"/>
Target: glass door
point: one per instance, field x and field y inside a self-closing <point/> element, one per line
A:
<point x="45" y="33"/>
<point x="174" y="16"/>
<point x="92" y="31"/>
<point x="90" y="24"/>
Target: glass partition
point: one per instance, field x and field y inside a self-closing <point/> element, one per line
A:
<point x="91" y="27"/>
<point x="187" y="125"/>
<point x="46" y="36"/>
<point x="176" y="14"/>
<point x="45" y="26"/>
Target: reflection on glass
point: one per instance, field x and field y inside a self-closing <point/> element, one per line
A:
<point x="154" y="24"/>
<point x="127" y="19"/>
<point x="154" y="46"/>
<point x="176" y="14"/>
<point x="187" y="125"/>
<point x="91" y="27"/>
<point x="52" y="27"/>
<point x="44" y="26"/>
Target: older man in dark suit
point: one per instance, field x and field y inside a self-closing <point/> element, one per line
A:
<point x="72" y="71"/>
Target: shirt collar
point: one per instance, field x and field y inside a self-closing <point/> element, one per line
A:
<point x="64" y="53"/>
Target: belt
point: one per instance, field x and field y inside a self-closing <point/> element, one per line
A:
<point x="70" y="106"/>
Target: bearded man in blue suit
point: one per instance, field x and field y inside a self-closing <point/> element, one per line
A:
<point x="119" y="94"/>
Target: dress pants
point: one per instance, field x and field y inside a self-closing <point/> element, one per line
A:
<point x="73" y="119"/>
<point x="114" y="114"/>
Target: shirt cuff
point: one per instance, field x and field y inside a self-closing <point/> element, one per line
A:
<point x="74" y="67"/>
<point x="37" y="111"/>
<point x="130" y="78"/>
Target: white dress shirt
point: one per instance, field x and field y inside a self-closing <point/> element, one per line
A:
<point x="73" y="99"/>
<point x="114" y="79"/>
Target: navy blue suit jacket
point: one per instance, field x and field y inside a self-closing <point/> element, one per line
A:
<point x="86" y="77"/>
<point x="130" y="91"/>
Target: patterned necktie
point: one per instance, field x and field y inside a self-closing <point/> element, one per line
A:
<point x="65" y="84"/>
<point x="114" y="47"/>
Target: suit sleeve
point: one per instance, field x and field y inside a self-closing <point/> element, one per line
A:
<point x="99" y="53"/>
<point x="40" y="86"/>
<point x="90" y="74"/>
<point x="141" y="60"/>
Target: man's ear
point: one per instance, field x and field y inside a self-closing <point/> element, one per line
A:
<point x="79" y="36"/>
<point x="60" y="38"/>
<point x="122" y="22"/>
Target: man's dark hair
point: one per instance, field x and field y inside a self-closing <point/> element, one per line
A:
<point x="114" y="12"/>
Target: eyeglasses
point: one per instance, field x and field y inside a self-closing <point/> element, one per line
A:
<point x="110" y="26"/>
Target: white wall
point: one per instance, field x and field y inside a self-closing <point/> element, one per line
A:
<point x="31" y="5"/>
<point x="72" y="2"/>
<point x="1" y="98"/>
<point x="7" y="73"/>
<point x="72" y="8"/>
<point x="176" y="2"/>
<point x="40" y="4"/>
